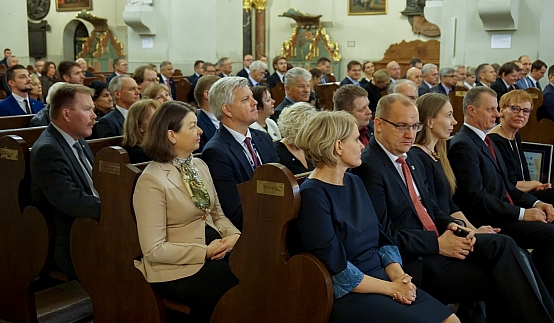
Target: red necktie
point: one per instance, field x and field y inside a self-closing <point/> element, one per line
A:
<point x="252" y="152"/>
<point x="424" y="217"/>
<point x="491" y="148"/>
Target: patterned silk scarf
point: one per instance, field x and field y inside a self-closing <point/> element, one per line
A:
<point x="193" y="183"/>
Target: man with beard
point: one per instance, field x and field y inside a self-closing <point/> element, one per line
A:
<point x="19" y="102"/>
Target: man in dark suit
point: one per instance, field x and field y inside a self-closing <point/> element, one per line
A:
<point x="486" y="196"/>
<point x="225" y="66"/>
<point x="70" y="72"/>
<point x="145" y="76"/>
<point x="448" y="81"/>
<point x="485" y="75"/>
<point x="353" y="73"/>
<point x="125" y="92"/>
<point x="166" y="77"/>
<point x="10" y="61"/>
<point x="449" y="267"/>
<point x="257" y="72"/>
<point x="246" y="62"/>
<point x="120" y="67"/>
<point x="354" y="100"/>
<point x="264" y="59"/>
<point x="19" y="102"/>
<point x="83" y="64"/>
<point x="235" y="150"/>
<point x="198" y="71"/>
<point x="506" y="82"/>
<point x="536" y="72"/>
<point x="61" y="164"/>
<point x="7" y="53"/>
<point x="324" y="65"/>
<point x="297" y="89"/>
<point x="547" y="108"/>
<point x="430" y="75"/>
<point x="206" y="117"/>
<point x="280" y="67"/>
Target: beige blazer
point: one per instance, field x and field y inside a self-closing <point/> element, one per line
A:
<point x="171" y="228"/>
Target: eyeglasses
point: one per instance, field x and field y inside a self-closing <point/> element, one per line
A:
<point x="515" y="109"/>
<point x="405" y="127"/>
<point x="449" y="76"/>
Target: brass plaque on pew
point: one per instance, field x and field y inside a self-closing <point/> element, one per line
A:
<point x="109" y="167"/>
<point x="270" y="188"/>
<point x="10" y="154"/>
<point x="461" y="93"/>
<point x="534" y="95"/>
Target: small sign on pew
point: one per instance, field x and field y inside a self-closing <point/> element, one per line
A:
<point x="270" y="188"/>
<point x="109" y="167"/>
<point x="10" y="154"/>
<point x="461" y="93"/>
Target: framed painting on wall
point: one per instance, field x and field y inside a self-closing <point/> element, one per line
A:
<point x="73" y="5"/>
<point x="367" y="7"/>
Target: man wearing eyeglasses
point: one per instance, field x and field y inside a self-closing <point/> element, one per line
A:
<point x="449" y="267"/>
<point x="448" y="81"/>
<point x="245" y="72"/>
<point x="485" y="194"/>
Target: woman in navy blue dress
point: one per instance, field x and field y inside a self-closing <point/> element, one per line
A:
<point x="337" y="223"/>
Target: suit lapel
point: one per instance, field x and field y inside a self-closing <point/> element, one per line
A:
<point x="236" y="150"/>
<point x="482" y="145"/>
<point x="120" y="118"/>
<point x="174" y="176"/>
<point x="210" y="128"/>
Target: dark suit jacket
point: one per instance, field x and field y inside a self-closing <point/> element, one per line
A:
<point x="229" y="167"/>
<point x="171" y="86"/>
<point x="500" y="88"/>
<point x="88" y="74"/>
<point x="373" y="94"/>
<point x="208" y="128"/>
<point x="243" y="73"/>
<point x="10" y="107"/>
<point x="193" y="78"/>
<point x="60" y="189"/>
<point x="110" y="125"/>
<point x="286" y="103"/>
<point x="273" y="80"/>
<point x="482" y="182"/>
<point x="110" y="77"/>
<point x="394" y="207"/>
<point x="440" y="89"/>
<point x="547" y="108"/>
<point x="424" y="88"/>
<point x="345" y="81"/>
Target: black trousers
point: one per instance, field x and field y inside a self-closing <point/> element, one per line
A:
<point x="539" y="237"/>
<point x="497" y="273"/>
<point x="201" y="291"/>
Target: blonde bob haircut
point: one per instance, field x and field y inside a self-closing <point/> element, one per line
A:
<point x="515" y="96"/>
<point x="152" y="90"/>
<point x="292" y="118"/>
<point x="140" y="110"/>
<point x="318" y="136"/>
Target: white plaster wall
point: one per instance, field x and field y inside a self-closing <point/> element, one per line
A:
<point x="12" y="18"/>
<point x="373" y="34"/>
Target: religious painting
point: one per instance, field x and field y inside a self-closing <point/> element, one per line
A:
<point x="73" y="5"/>
<point x="367" y="7"/>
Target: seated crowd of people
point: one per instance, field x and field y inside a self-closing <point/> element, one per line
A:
<point x="404" y="221"/>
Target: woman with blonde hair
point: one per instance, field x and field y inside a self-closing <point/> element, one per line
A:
<point x="515" y="108"/>
<point x="36" y="92"/>
<point x="436" y="115"/>
<point x="135" y="127"/>
<point x="290" y="121"/>
<point x="338" y="224"/>
<point x="158" y="92"/>
<point x="368" y="68"/>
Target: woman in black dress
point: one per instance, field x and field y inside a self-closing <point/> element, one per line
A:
<point x="436" y="115"/>
<point x="48" y="77"/>
<point x="515" y="109"/>
<point x="134" y="129"/>
<point x="290" y="120"/>
<point x="337" y="223"/>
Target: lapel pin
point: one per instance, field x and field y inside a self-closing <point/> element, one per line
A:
<point x="413" y="168"/>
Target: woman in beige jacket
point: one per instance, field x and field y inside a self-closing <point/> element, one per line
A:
<point x="183" y="233"/>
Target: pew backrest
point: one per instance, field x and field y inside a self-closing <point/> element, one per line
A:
<point x="456" y="99"/>
<point x="537" y="131"/>
<point x="29" y="134"/>
<point x="14" y="122"/>
<point x="325" y="94"/>
<point x="278" y="93"/>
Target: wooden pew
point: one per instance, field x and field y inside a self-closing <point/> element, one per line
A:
<point x="13" y="122"/>
<point x="182" y="87"/>
<point x="273" y="286"/>
<point x="26" y="235"/>
<point x="402" y="53"/>
<point x="325" y="94"/>
<point x="103" y="250"/>
<point x="88" y="80"/>
<point x="537" y="131"/>
<point x="278" y="93"/>
<point x="3" y="94"/>
<point x="456" y="99"/>
<point x="29" y="134"/>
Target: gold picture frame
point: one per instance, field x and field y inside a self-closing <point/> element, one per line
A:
<point x="73" y="5"/>
<point x="367" y="7"/>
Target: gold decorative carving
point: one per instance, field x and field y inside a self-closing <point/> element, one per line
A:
<point x="247" y="4"/>
<point x="259" y="4"/>
<point x="97" y="43"/>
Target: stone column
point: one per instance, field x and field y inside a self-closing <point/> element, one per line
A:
<point x="260" y="33"/>
<point x="246" y="27"/>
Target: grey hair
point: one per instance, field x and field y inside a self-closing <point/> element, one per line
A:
<point x="446" y="70"/>
<point x="457" y="67"/>
<point x="471" y="70"/>
<point x="292" y="118"/>
<point x="52" y="90"/>
<point x="9" y="59"/>
<point x="221" y="61"/>
<point x="474" y="96"/>
<point x="295" y="72"/>
<point x="222" y="93"/>
<point x="164" y="64"/>
<point x="80" y="59"/>
<point x="393" y="88"/>
<point x="256" y="65"/>
<point x="115" y="85"/>
<point x="426" y="69"/>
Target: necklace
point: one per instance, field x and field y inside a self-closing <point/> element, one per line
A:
<point x="429" y="151"/>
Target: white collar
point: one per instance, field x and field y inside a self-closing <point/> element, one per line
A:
<point x="479" y="132"/>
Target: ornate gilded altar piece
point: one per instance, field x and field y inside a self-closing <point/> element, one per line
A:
<point x="309" y="41"/>
<point x="101" y="46"/>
